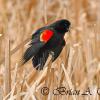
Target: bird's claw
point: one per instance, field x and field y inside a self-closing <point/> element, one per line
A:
<point x="52" y="53"/>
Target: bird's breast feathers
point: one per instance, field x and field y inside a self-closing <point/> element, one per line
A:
<point x="46" y="35"/>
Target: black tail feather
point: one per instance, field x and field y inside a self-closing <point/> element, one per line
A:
<point x="40" y="59"/>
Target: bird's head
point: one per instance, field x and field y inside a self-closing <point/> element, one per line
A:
<point x="62" y="25"/>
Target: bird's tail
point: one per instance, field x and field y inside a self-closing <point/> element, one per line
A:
<point x="40" y="59"/>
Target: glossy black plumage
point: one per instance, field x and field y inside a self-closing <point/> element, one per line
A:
<point x="39" y="50"/>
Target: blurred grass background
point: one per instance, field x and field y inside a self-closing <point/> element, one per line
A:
<point x="80" y="70"/>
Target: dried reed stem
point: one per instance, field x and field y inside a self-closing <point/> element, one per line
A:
<point x="86" y="80"/>
<point x="17" y="48"/>
<point x="1" y="93"/>
<point x="36" y="83"/>
<point x="7" y="73"/>
<point x="69" y="81"/>
<point x="45" y="11"/>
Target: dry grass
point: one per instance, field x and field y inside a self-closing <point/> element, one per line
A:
<point x="78" y="66"/>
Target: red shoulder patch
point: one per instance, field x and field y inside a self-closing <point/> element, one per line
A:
<point x="46" y="35"/>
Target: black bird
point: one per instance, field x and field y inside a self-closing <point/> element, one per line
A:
<point x="46" y="40"/>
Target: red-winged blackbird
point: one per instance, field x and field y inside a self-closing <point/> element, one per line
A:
<point x="45" y="40"/>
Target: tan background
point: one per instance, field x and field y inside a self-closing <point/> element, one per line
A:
<point x="19" y="18"/>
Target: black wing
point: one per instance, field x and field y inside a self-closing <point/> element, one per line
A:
<point x="40" y="58"/>
<point x="33" y="48"/>
<point x="31" y="51"/>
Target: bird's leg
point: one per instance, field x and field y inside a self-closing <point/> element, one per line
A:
<point x="52" y="54"/>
